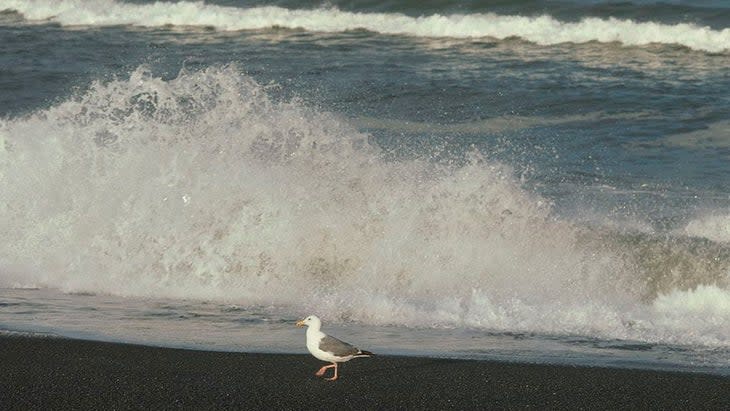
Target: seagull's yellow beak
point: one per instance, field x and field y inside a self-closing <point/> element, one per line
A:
<point x="300" y="323"/>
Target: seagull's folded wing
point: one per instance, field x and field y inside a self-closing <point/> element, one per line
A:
<point x="337" y="347"/>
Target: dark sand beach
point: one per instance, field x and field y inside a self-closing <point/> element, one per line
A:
<point x="52" y="373"/>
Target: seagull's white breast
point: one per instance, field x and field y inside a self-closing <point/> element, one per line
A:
<point x="313" y="339"/>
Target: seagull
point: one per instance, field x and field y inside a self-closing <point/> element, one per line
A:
<point x="327" y="348"/>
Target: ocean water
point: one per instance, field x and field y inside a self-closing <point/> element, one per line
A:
<point x="535" y="180"/>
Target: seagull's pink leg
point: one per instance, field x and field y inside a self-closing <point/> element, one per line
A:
<point x="335" y="376"/>
<point x="323" y="369"/>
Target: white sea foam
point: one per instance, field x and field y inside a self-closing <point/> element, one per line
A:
<point x="202" y="187"/>
<point x="543" y="30"/>
<point x="706" y="301"/>
<point x="701" y="315"/>
<point x="715" y="227"/>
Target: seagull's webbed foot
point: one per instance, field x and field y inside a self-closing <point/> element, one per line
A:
<point x="323" y="369"/>
<point x="334" y="377"/>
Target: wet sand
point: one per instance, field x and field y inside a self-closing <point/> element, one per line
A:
<point x="53" y="373"/>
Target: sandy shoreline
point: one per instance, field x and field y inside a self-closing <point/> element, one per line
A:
<point x="50" y="373"/>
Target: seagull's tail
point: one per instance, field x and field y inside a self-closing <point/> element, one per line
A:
<point x="363" y="353"/>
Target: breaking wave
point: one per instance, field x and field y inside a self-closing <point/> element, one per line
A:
<point x="714" y="227"/>
<point x="542" y="30"/>
<point x="204" y="187"/>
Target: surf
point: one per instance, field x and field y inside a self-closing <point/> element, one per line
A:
<point x="538" y="29"/>
<point x="204" y="187"/>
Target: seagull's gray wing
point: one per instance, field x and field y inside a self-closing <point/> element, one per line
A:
<point x="337" y="347"/>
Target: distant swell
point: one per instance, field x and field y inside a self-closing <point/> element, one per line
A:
<point x="543" y="30"/>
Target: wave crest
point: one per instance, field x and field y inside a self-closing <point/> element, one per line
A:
<point x="204" y="187"/>
<point x="542" y="30"/>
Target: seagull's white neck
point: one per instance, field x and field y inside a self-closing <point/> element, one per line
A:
<point x="313" y="337"/>
<point x="313" y="331"/>
<point x="314" y="327"/>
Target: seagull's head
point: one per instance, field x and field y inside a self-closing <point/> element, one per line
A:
<point x="311" y="320"/>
